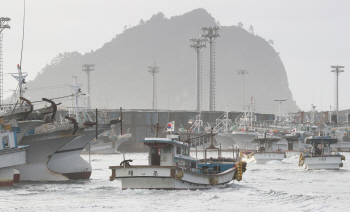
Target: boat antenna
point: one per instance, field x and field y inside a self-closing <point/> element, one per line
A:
<point x="24" y="15"/>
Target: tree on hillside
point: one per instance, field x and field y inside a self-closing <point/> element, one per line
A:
<point x="251" y="29"/>
<point x="240" y="25"/>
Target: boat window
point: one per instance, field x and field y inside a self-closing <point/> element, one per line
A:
<point x="178" y="150"/>
<point x="193" y="165"/>
<point x="166" y="150"/>
<point x="183" y="151"/>
<point x="187" y="152"/>
<point x="216" y="168"/>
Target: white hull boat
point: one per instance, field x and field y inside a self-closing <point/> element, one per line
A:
<point x="242" y="138"/>
<point x="164" y="177"/>
<point x="227" y="143"/>
<point x="172" y="168"/>
<point x="331" y="162"/>
<point x="42" y="148"/>
<point x="264" y="152"/>
<point x="321" y="156"/>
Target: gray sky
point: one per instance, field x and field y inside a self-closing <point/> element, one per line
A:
<point x="309" y="35"/>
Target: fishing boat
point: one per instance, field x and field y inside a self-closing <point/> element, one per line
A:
<point x="321" y="155"/>
<point x="244" y="131"/>
<point x="66" y="160"/>
<point x="264" y="152"/>
<point x="171" y="167"/>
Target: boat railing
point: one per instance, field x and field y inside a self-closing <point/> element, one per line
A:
<point x="200" y="140"/>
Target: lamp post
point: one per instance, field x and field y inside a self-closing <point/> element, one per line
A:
<point x="211" y="33"/>
<point x="189" y="127"/>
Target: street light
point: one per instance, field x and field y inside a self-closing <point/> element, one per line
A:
<point x="189" y="127"/>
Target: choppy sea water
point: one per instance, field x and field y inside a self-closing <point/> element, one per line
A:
<point x="275" y="186"/>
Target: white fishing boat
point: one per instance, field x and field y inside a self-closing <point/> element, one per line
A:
<point x="321" y="155"/>
<point x="264" y="152"/>
<point x="244" y="131"/>
<point x="66" y="160"/>
<point x="171" y="167"/>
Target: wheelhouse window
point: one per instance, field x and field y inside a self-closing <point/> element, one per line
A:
<point x="178" y="150"/>
<point x="166" y="150"/>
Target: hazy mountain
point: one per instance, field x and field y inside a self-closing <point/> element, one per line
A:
<point x="121" y="75"/>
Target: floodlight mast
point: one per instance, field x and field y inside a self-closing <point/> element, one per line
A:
<point x="242" y="72"/>
<point x="337" y="70"/>
<point x="210" y="34"/>
<point x="3" y="25"/>
<point x="279" y="113"/>
<point x="153" y="70"/>
<point x="197" y="44"/>
<point x="88" y="68"/>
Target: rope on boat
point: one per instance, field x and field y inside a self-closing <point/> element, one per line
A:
<point x="239" y="171"/>
<point x="301" y="159"/>
<point x="179" y="175"/>
<point x="213" y="181"/>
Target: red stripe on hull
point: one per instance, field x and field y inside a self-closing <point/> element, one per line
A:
<point x="16" y="178"/>
<point x="78" y="175"/>
<point x="6" y="183"/>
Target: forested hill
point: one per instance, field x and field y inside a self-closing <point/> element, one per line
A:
<point x="121" y="75"/>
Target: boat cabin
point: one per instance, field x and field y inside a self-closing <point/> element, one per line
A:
<point x="294" y="142"/>
<point x="169" y="151"/>
<point x="265" y="144"/>
<point x="321" y="145"/>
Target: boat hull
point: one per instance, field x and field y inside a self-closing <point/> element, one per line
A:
<point x="225" y="140"/>
<point x="8" y="159"/>
<point x="328" y="162"/>
<point x="242" y="138"/>
<point x="67" y="160"/>
<point x="164" y="177"/>
<point x="42" y="148"/>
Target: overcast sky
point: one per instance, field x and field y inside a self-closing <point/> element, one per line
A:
<point x="309" y="35"/>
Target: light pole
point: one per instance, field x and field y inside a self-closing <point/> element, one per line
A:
<point x="336" y="70"/>
<point x="242" y="72"/>
<point x="197" y="44"/>
<point x="3" y="25"/>
<point x="279" y="113"/>
<point x="188" y="127"/>
<point x="88" y="68"/>
<point x="153" y="70"/>
<point x="211" y="33"/>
